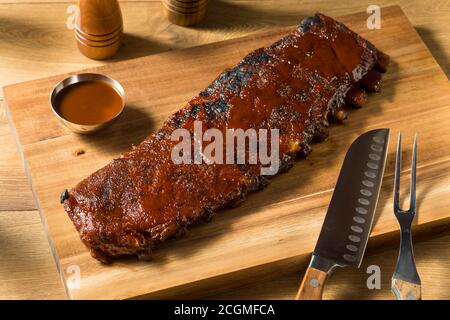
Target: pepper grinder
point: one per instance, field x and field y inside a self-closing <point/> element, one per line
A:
<point x="99" y="28"/>
<point x="184" y="12"/>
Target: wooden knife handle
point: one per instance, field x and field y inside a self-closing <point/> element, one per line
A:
<point x="405" y="290"/>
<point x="312" y="285"/>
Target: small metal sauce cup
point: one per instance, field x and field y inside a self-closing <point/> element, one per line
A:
<point x="82" y="77"/>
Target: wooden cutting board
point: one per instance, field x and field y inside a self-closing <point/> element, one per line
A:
<point x="276" y="226"/>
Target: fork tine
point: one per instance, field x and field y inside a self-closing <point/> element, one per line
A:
<point x="412" y="206"/>
<point x="398" y="169"/>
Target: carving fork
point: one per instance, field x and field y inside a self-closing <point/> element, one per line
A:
<point x="406" y="281"/>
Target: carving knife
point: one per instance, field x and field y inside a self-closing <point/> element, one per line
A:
<point x="346" y="228"/>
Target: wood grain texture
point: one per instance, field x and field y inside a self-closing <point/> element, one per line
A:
<point x="26" y="259"/>
<point x="15" y="189"/>
<point x="410" y="84"/>
<point x="25" y="23"/>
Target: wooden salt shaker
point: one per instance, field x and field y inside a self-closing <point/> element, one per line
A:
<point x="99" y="28"/>
<point x="184" y="12"/>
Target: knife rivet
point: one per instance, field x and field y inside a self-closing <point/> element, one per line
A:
<point x="365" y="192"/>
<point x="314" y="283"/>
<point x="374" y="156"/>
<point x="354" y="238"/>
<point x="361" y="210"/>
<point x="411" y="296"/>
<point x="356" y="229"/>
<point x="364" y="201"/>
<point x="352" y="247"/>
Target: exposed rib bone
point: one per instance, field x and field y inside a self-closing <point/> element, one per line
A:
<point x="371" y="81"/>
<point x="356" y="97"/>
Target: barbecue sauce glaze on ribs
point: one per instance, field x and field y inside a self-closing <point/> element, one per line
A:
<point x="296" y="85"/>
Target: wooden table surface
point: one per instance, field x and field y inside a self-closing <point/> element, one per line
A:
<point x="35" y="42"/>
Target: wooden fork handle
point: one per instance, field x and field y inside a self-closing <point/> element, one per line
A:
<point x="311" y="287"/>
<point x="405" y="290"/>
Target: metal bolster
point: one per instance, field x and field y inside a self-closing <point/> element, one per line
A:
<point x="322" y="264"/>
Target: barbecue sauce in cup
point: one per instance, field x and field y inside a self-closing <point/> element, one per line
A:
<point x="90" y="102"/>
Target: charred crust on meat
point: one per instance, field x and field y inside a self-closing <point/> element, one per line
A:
<point x="145" y="255"/>
<point x="177" y="122"/>
<point x="207" y="92"/>
<point x="258" y="57"/>
<point x="100" y="256"/>
<point x="321" y="133"/>
<point x="307" y="23"/>
<point x="302" y="96"/>
<point x="235" y="78"/>
<point x="261" y="182"/>
<point x="305" y="150"/>
<point x="231" y="80"/>
<point x="195" y="109"/>
<point x="64" y="196"/>
<point x="287" y="162"/>
<point x="208" y="215"/>
<point x="216" y="109"/>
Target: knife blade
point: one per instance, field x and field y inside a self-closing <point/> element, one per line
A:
<point x="348" y="222"/>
